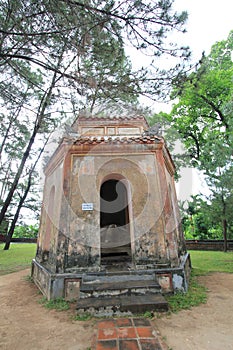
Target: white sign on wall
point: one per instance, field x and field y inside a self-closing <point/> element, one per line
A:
<point x="87" y="206"/>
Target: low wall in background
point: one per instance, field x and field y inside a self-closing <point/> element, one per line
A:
<point x="18" y="240"/>
<point x="192" y="244"/>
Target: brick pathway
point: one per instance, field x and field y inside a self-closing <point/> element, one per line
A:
<point x="127" y="334"/>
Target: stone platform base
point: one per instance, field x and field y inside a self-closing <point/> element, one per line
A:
<point x="70" y="285"/>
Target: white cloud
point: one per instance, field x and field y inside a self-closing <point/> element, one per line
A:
<point x="209" y="21"/>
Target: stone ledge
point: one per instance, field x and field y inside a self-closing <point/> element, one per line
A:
<point x="132" y="303"/>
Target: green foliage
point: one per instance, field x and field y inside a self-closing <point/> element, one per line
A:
<point x="26" y="231"/>
<point x="82" y="317"/>
<point x="19" y="257"/>
<point x="196" y="295"/>
<point x="148" y="314"/>
<point x="203" y="118"/>
<point x="196" y="231"/>
<point x="195" y="223"/>
<point x="58" y="304"/>
<point x="203" y="218"/>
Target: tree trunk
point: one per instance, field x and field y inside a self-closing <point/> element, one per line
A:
<point x="224" y="226"/>
<point x="11" y="121"/>
<point x="224" y="223"/>
<point x="38" y="122"/>
<point x="14" y="185"/>
<point x="16" y="216"/>
<point x="22" y="199"/>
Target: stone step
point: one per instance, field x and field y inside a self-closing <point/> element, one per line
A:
<point x="118" y="277"/>
<point x="136" y="287"/>
<point x="135" y="304"/>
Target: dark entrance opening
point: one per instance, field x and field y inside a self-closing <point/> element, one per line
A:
<point x="114" y="223"/>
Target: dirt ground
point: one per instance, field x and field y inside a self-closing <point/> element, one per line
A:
<point x="208" y="326"/>
<point x="25" y="324"/>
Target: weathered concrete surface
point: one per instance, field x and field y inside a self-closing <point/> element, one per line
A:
<point x="74" y="237"/>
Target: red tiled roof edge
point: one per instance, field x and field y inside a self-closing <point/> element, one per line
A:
<point x="117" y="139"/>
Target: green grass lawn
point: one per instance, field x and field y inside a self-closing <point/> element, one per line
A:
<point x="18" y="257"/>
<point x="204" y="262"/>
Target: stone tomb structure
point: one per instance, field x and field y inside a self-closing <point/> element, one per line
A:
<point x="110" y="225"/>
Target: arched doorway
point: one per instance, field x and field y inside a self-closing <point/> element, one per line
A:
<point x="114" y="222"/>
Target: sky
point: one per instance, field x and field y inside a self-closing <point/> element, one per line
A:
<point x="209" y="21"/>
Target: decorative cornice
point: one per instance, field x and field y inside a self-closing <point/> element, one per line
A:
<point x="118" y="139"/>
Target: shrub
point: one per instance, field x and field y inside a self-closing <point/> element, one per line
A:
<point x="26" y="231"/>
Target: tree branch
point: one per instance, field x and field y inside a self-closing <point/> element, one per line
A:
<point x="216" y="109"/>
<point x="196" y="143"/>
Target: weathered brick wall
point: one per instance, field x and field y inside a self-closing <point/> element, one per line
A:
<point x="208" y="245"/>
